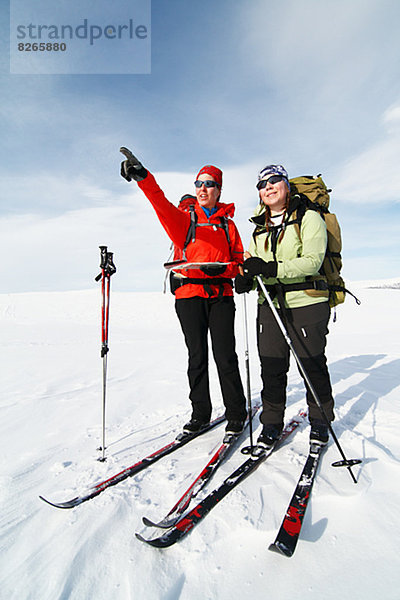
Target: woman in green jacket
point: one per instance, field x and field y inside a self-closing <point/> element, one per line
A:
<point x="288" y="258"/>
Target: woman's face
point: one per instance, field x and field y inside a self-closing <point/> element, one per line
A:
<point x="207" y="197"/>
<point x="274" y="195"/>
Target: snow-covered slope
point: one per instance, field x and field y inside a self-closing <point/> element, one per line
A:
<point x="51" y="427"/>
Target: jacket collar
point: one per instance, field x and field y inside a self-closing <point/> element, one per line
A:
<point x="223" y="209"/>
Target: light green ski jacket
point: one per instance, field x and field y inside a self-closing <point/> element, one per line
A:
<point x="298" y="257"/>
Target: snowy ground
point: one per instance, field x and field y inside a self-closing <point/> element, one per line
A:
<point x="51" y="427"/>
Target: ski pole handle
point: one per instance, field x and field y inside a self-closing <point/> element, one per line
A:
<point x="103" y="257"/>
<point x="103" y="261"/>
<point x="110" y="268"/>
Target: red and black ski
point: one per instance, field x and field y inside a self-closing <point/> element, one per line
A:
<point x="201" y="510"/>
<point x="96" y="489"/>
<point x="289" y="532"/>
<point x="201" y="480"/>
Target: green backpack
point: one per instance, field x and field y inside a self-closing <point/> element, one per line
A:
<point x="315" y="196"/>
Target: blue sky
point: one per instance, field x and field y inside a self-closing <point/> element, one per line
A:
<point x="240" y="84"/>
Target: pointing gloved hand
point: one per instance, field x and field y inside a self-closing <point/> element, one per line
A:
<point x="213" y="270"/>
<point x="257" y="266"/>
<point x="132" y="168"/>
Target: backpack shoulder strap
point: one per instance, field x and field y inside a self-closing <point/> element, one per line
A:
<point x="299" y="206"/>
<point x="297" y="210"/>
<point x="191" y="232"/>
<point x="225" y="226"/>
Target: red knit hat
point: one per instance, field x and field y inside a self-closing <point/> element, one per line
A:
<point x="215" y="173"/>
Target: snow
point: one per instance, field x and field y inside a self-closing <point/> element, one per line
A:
<point x="51" y="427"/>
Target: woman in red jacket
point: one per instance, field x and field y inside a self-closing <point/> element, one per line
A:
<point x="204" y="295"/>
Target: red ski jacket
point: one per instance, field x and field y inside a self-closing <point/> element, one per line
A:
<point x="211" y="243"/>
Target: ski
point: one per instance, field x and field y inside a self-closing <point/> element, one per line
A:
<point x="289" y="532"/>
<point x="199" y="512"/>
<point x="221" y="454"/>
<point x="96" y="489"/>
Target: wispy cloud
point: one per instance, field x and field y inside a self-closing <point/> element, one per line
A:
<point x="313" y="47"/>
<point x="313" y="85"/>
<point x="373" y="176"/>
<point x="325" y="71"/>
<point x="51" y="193"/>
<point x="61" y="252"/>
<point x="50" y="248"/>
<point x="57" y="250"/>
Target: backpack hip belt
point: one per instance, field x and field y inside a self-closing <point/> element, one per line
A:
<point x="317" y="284"/>
<point x="206" y="282"/>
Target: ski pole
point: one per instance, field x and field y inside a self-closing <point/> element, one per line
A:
<point x="107" y="269"/>
<point x="247" y="364"/>
<point x="348" y="463"/>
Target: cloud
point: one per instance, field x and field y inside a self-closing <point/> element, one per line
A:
<point x="59" y="251"/>
<point x="51" y="193"/>
<point x="306" y="45"/>
<point x="310" y="84"/>
<point x="391" y="118"/>
<point x="373" y="176"/>
<point x="370" y="268"/>
<point x="322" y="73"/>
<point x="50" y="248"/>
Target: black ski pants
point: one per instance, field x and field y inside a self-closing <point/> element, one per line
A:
<point x="307" y="327"/>
<point x="197" y="317"/>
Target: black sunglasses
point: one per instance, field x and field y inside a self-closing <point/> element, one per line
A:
<point x="208" y="183"/>
<point x="274" y="179"/>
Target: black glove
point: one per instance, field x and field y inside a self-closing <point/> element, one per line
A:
<point x="257" y="266"/>
<point x="243" y="284"/>
<point x="213" y="270"/>
<point x="132" y="168"/>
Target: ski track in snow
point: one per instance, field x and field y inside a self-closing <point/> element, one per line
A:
<point x="51" y="426"/>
